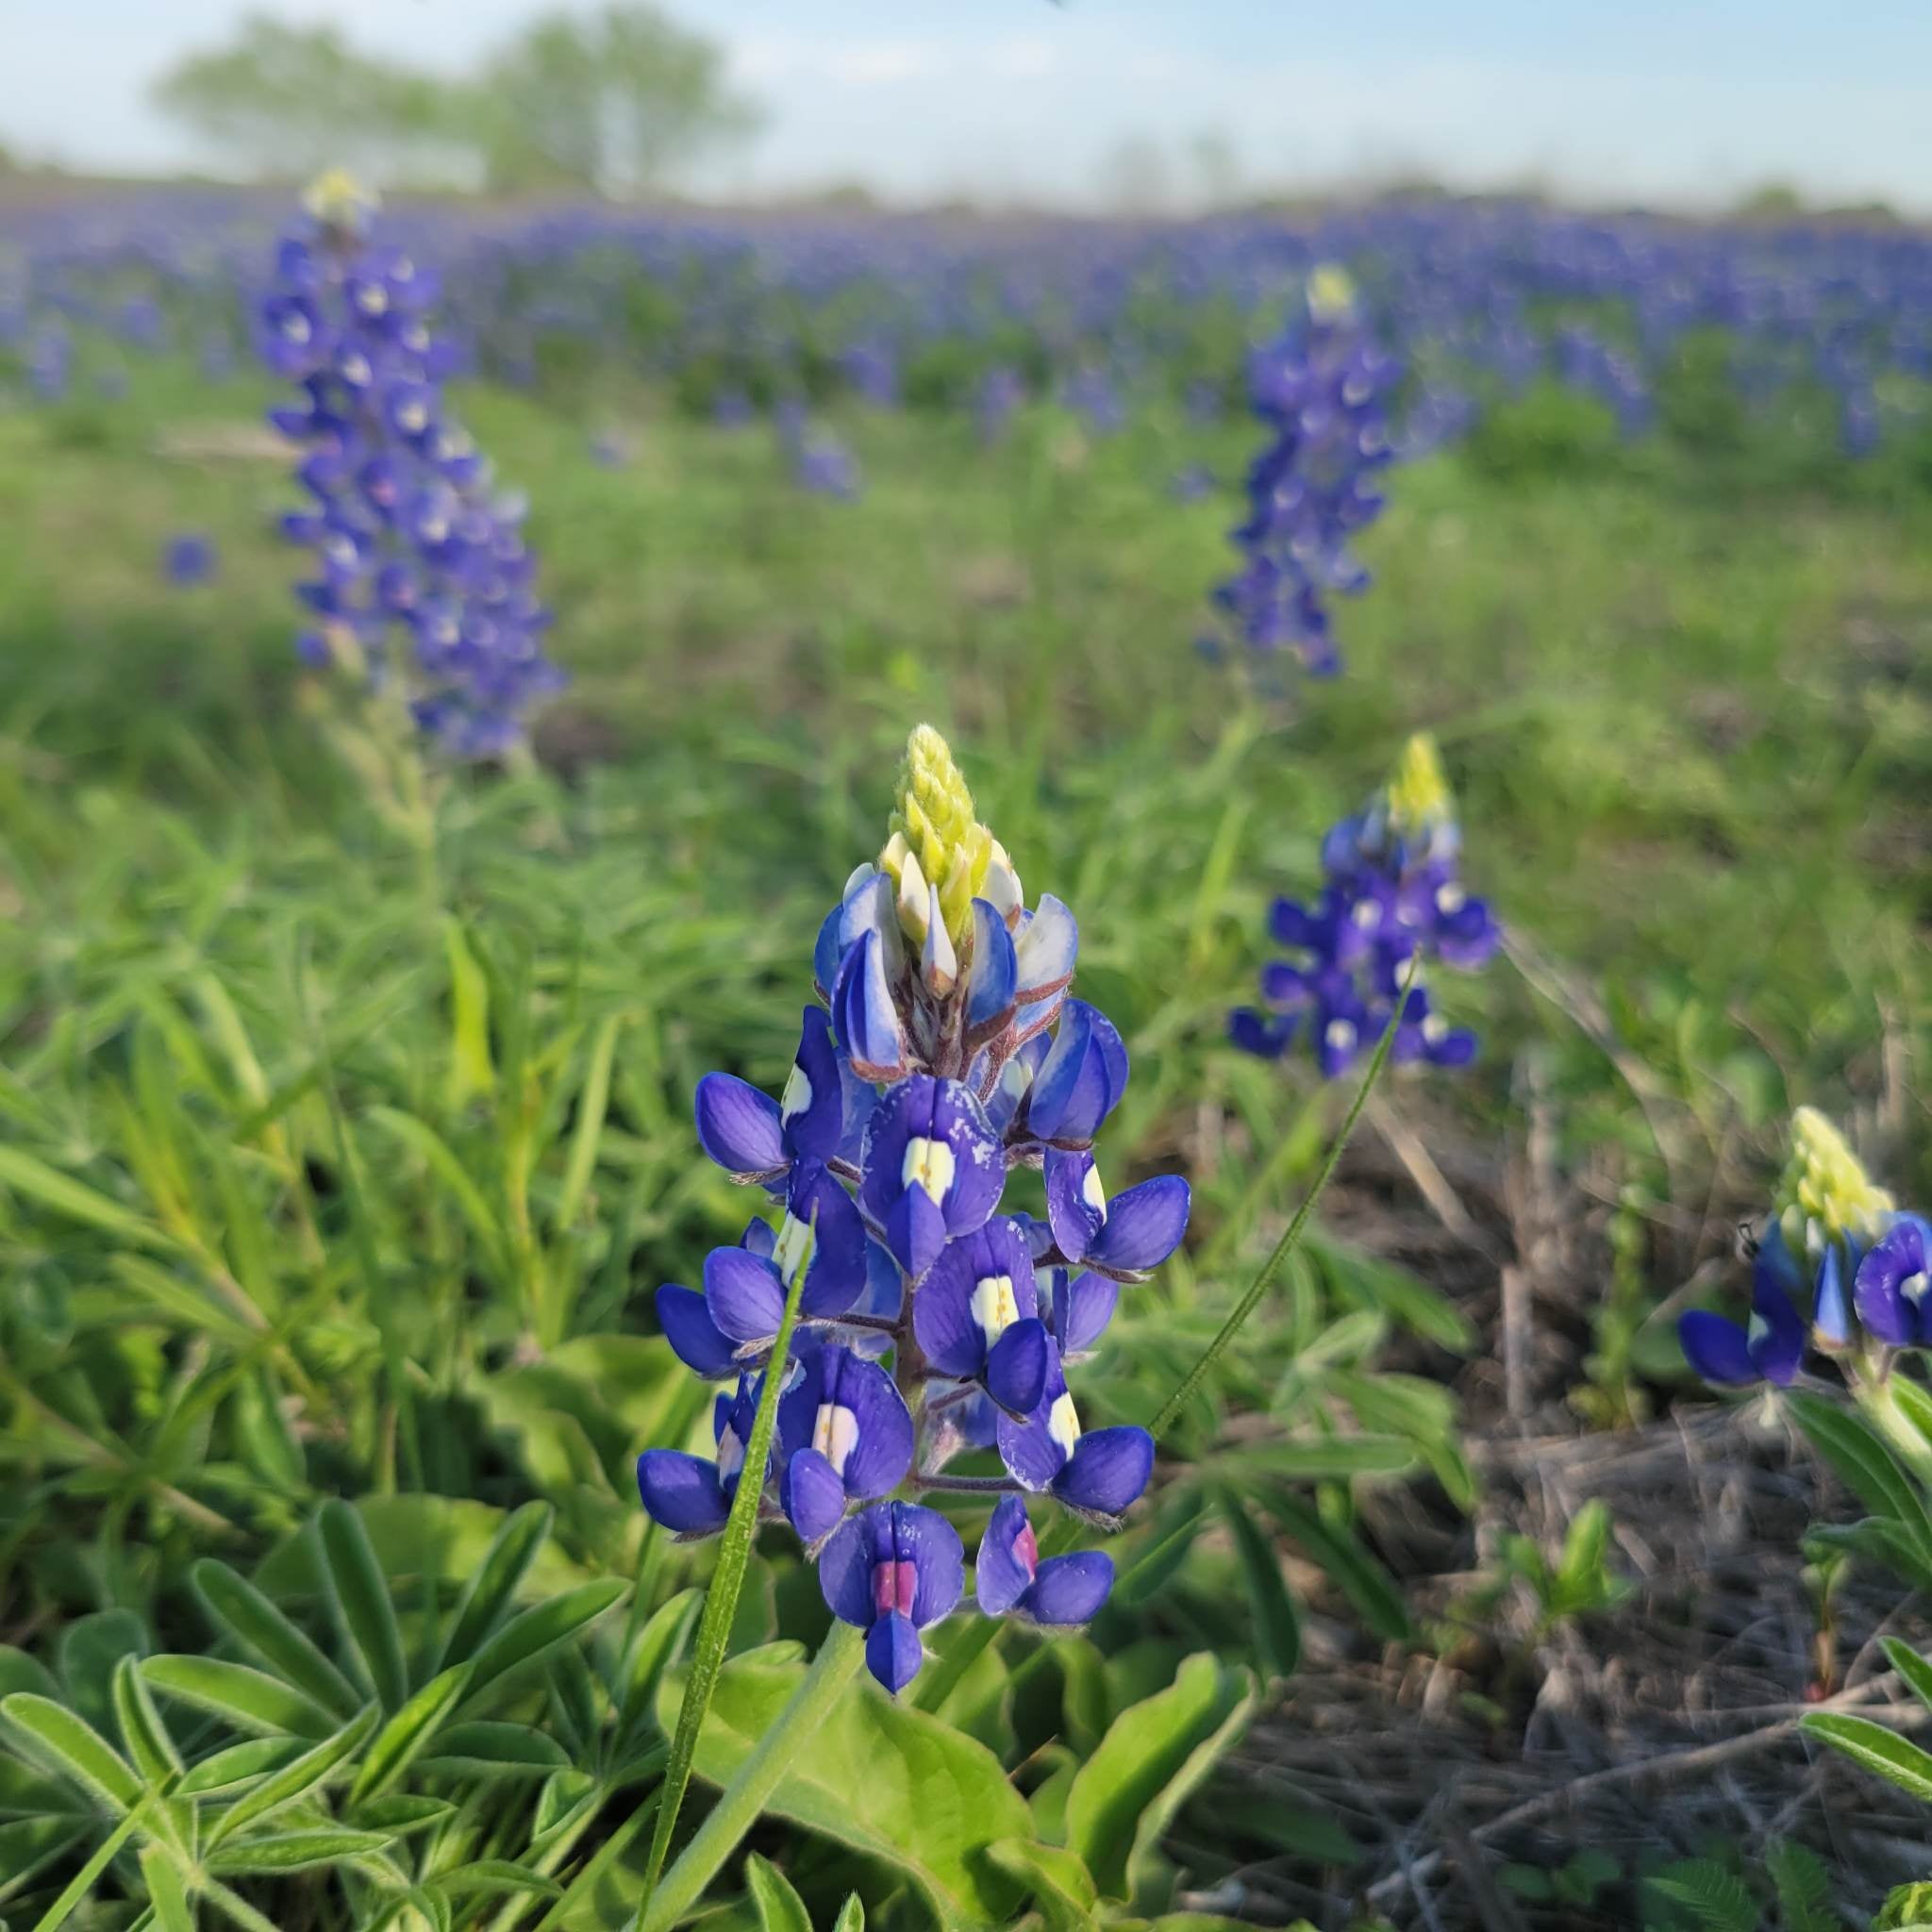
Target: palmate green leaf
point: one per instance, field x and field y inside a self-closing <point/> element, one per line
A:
<point x="1153" y="1756"/>
<point x="481" y="1749"/>
<point x="491" y="1591"/>
<point x="1857" y="1455"/>
<point x="248" y="1699"/>
<point x="298" y="1851"/>
<point x="239" y="1765"/>
<point x="409" y="1732"/>
<point x="20" y="1672"/>
<point x="1374" y="1594"/>
<point x="778" y="1905"/>
<point x="1278" y="1631"/>
<point x="165" y="1892"/>
<point x="403" y="1813"/>
<point x="361" y="1598"/>
<point x="876" y="1776"/>
<point x="1894" y="1757"/>
<point x="74" y="1748"/>
<point x="542" y="1628"/>
<point x="141" y="1729"/>
<point x="294" y="1779"/>
<point x="1061" y="1887"/>
<point x="247" y="1615"/>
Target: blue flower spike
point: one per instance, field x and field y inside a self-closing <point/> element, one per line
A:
<point x="945" y="1053"/>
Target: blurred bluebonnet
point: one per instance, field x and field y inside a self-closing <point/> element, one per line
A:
<point x="1838" y="1269"/>
<point x="820" y="463"/>
<point x="1392" y="891"/>
<point x="424" y="585"/>
<point x="189" y="559"/>
<point x="935" y="1324"/>
<point x="1320" y="391"/>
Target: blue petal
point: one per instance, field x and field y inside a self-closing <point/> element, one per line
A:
<point x="743" y="1294"/>
<point x="694" y="1337"/>
<point x="893" y="1651"/>
<point x="1082" y="1308"/>
<point x="1777" y="1335"/>
<point x="866" y="1021"/>
<point x="1004" y="1569"/>
<point x="813" y="1496"/>
<point x="1106" y="1471"/>
<point x="995" y="973"/>
<point x="1016" y="1366"/>
<point x="1143" y="1228"/>
<point x="1048" y="944"/>
<point x="1072" y="1211"/>
<point x="1256" y="1033"/>
<point x="925" y="1539"/>
<point x="1715" y="1348"/>
<point x="811" y="1113"/>
<point x="1831" y="1309"/>
<point x="846" y="1563"/>
<point x="681" y="1491"/>
<point x="1069" y="1590"/>
<point x="1081" y="1080"/>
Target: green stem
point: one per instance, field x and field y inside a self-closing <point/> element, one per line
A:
<point x="735" y="1813"/>
<point x="1902" y="1436"/>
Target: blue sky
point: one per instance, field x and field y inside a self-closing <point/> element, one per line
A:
<point x="1688" y="102"/>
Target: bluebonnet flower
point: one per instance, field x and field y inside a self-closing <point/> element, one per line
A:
<point x="1000" y="393"/>
<point x="1838" y="1269"/>
<point x="423" y="586"/>
<point x="820" y="464"/>
<point x="1320" y="393"/>
<point x="189" y="559"/>
<point x="932" y="1326"/>
<point x="1392" y="892"/>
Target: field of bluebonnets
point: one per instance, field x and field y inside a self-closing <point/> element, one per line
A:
<point x="471" y="680"/>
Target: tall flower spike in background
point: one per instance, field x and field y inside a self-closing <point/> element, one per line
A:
<point x="424" y="586"/>
<point x="1320" y="391"/>
<point x="1393" y="891"/>
<point x="933" y="1327"/>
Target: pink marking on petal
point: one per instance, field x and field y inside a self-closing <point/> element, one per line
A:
<point x="894" y="1586"/>
<point x="1026" y="1547"/>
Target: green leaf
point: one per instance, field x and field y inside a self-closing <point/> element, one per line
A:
<point x="362" y="1601"/>
<point x="74" y="1748"/>
<point x="487" y="1599"/>
<point x="296" y="1778"/>
<point x="229" y="1769"/>
<point x="423" y="1139"/>
<point x="298" y="1851"/>
<point x="496" y="1876"/>
<point x="1375" y="1594"/>
<point x="255" y="1624"/>
<point x="471" y="1069"/>
<point x="1803" y="1886"/>
<point x="1874" y="1747"/>
<point x="1277" y="1632"/>
<point x="880" y="1777"/>
<point x="1152" y="1756"/>
<point x="493" y="1750"/>
<point x="410" y="1731"/>
<point x="70" y="1198"/>
<point x="90" y="1648"/>
<point x="163" y="1877"/>
<point x="1914" y="1669"/>
<point x="851" y="1916"/>
<point x="141" y="1729"/>
<point x="29" y="1844"/>
<point x="543" y="1627"/>
<point x="1061" y="1886"/>
<point x="248" y="1699"/>
<point x="20" y="1672"/>
<point x="779" y="1908"/>
<point x="401" y="1812"/>
<point x="1333" y="1458"/>
<point x="1866" y="1465"/>
<point x="661" y="1639"/>
<point x="593" y="1101"/>
<point x="1715" y="1898"/>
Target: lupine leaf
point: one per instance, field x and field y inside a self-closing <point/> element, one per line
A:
<point x="1375" y="1594"/>
<point x="1914" y="1669"/>
<point x="663" y="1636"/>
<point x="1866" y="1465"/>
<point x="409" y="1732"/>
<point x="542" y="1628"/>
<point x="362" y="1601"/>
<point x="851" y="1916"/>
<point x="141" y="1729"/>
<point x="249" y="1699"/>
<point x="260" y="1627"/>
<point x="75" y="1201"/>
<point x="1877" y="1749"/>
<point x="90" y="1648"/>
<point x="490" y="1592"/>
<point x="163" y="1877"/>
<point x="239" y="1764"/>
<point x="294" y="1779"/>
<point x="28" y="1843"/>
<point x="483" y="1749"/>
<point x="298" y="1851"/>
<point x="1152" y="1756"/>
<point x="1061" y="1886"/>
<point x="1277" y="1630"/>
<point x="497" y="1875"/>
<point x="74" y="1748"/>
<point x="779" y="1906"/>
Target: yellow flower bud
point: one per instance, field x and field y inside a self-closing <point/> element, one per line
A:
<point x="1418" y="794"/>
<point x="338" y="200"/>
<point x="1826" y="1193"/>
<point x="936" y="843"/>
<point x="1331" y="294"/>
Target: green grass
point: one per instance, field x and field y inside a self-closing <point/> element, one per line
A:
<point x="307" y="1191"/>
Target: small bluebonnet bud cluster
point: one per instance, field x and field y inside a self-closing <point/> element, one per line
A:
<point x="1321" y="393"/>
<point x="423" y="583"/>
<point x="1838" y="1269"/>
<point x="1392" y="892"/>
<point x="932" y="1324"/>
<point x="820" y="464"/>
